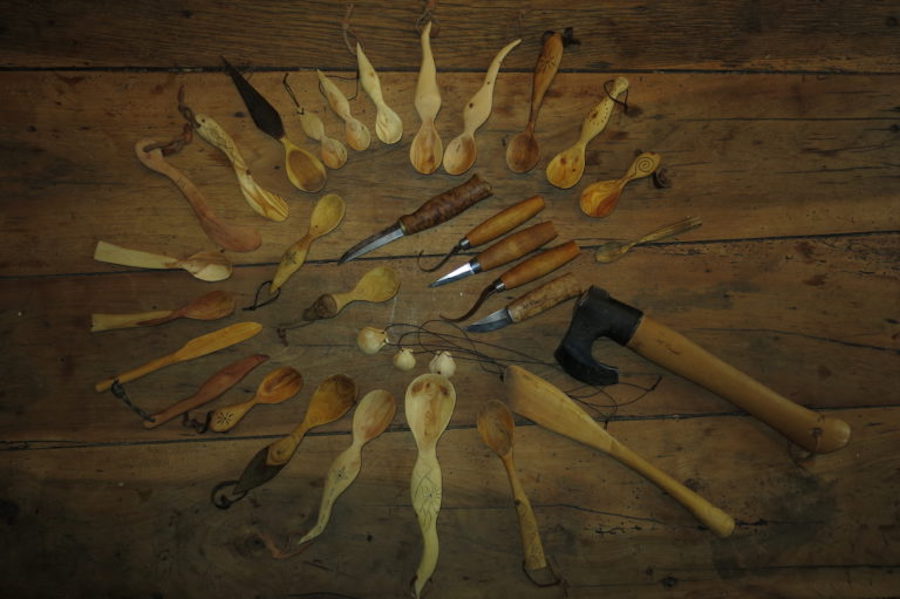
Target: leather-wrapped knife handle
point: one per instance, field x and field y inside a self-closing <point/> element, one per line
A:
<point x="545" y="297"/>
<point x="504" y="221"/>
<point x="446" y="205"/>
<point x="537" y="266"/>
<point x="517" y="245"/>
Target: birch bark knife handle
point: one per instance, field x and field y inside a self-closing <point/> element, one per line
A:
<point x="505" y="221"/>
<point x="545" y="297"/>
<point x="445" y="206"/>
<point x="539" y="265"/>
<point x="517" y="245"/>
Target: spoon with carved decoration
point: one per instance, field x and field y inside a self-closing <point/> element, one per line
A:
<point x="277" y="386"/>
<point x="601" y="198"/>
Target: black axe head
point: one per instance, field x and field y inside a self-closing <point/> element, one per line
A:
<point x="596" y="315"/>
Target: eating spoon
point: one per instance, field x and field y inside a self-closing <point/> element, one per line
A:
<point x="230" y="237"/>
<point x="601" y="198"/>
<point x="430" y="399"/>
<point x="333" y="152"/>
<point x="210" y="306"/>
<point x="613" y="250"/>
<point x="567" y="167"/>
<point x="326" y="216"/>
<point x="206" y="266"/>
<point x="277" y="386"/>
<point x="461" y="151"/>
<point x="355" y="132"/>
<point x="427" y="149"/>
<point x="378" y="285"/>
<point x="523" y="153"/>
<point x="388" y="126"/>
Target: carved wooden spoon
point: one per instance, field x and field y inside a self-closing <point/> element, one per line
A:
<point x="333" y="152"/>
<point x="388" y="126"/>
<point x="356" y="133"/>
<point x="427" y="149"/>
<point x="378" y="285"/>
<point x="613" y="250"/>
<point x="327" y="215"/>
<point x="279" y="385"/>
<point x="206" y="266"/>
<point x="430" y="399"/>
<point x="210" y="306"/>
<point x="523" y="152"/>
<point x="461" y="151"/>
<point x="600" y="199"/>
<point x="230" y="237"/>
<point x="567" y="167"/>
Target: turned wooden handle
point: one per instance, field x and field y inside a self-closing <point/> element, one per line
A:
<point x="446" y="205"/>
<point x="812" y="431"/>
<point x="517" y="245"/>
<point x="537" y="266"/>
<point x="544" y="72"/>
<point x="528" y="526"/>
<point x="504" y="221"/>
<point x="545" y="297"/>
<point x="596" y="121"/>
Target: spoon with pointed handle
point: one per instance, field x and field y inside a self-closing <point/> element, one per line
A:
<point x="210" y="306"/>
<point x="356" y="133"/>
<point x="427" y="150"/>
<point x="278" y="386"/>
<point x="601" y="198"/>
<point x="207" y="266"/>
<point x="388" y="126"/>
<point x="613" y="250"/>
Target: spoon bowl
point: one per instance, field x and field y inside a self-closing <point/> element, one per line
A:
<point x="207" y="266"/>
<point x="304" y="170"/>
<point x="601" y="198"/>
<point x="460" y="155"/>
<point x="496" y="426"/>
<point x="523" y="152"/>
<point x="211" y="306"/>
<point x="356" y="134"/>
<point x="427" y="149"/>
<point x="378" y="285"/>
<point x="278" y="386"/>
<point x="333" y="152"/>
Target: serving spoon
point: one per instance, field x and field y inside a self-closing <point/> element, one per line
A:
<point x="355" y="132"/>
<point x="206" y="266"/>
<point x="388" y="126"/>
<point x="461" y="151"/>
<point x="277" y="386"/>
<point x="326" y="216"/>
<point x="427" y="149"/>
<point x="210" y="306"/>
<point x="601" y="198"/>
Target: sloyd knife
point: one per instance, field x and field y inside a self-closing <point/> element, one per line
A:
<point x="534" y="302"/>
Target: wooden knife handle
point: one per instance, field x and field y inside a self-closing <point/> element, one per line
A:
<point x="545" y="297"/>
<point x="517" y="245"/>
<point x="505" y="221"/>
<point x="446" y="205"/>
<point x="812" y="431"/>
<point x="544" y="71"/>
<point x="537" y="266"/>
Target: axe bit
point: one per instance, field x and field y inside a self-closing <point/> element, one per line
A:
<point x="599" y="315"/>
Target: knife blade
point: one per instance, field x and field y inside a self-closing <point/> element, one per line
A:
<point x="264" y="115"/>
<point x="435" y="211"/>
<point x="534" y="302"/>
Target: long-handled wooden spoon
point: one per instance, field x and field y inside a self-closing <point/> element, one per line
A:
<point x="523" y="152"/>
<point x="567" y="167"/>
<point x="613" y="250"/>
<point x="388" y="126"/>
<point x="496" y="427"/>
<point x="277" y="386"/>
<point x="462" y="151"/>
<point x="210" y="306"/>
<point x="230" y="237"/>
<point x="326" y="216"/>
<point x="427" y="149"/>
<point x="378" y="285"/>
<point x="600" y="199"/>
<point x="430" y="399"/>
<point x="206" y="266"/>
<point x="356" y="133"/>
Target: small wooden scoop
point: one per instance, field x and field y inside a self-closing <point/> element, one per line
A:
<point x="427" y="150"/>
<point x="279" y="385"/>
<point x="388" y="126"/>
<point x="356" y="134"/>
<point x="601" y="198"/>
<point x="206" y="266"/>
<point x="333" y="152"/>
<point x="378" y="285"/>
<point x="210" y="306"/>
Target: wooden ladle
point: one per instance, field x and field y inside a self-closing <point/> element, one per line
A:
<point x="567" y="167"/>
<point x="461" y="151"/>
<point x="356" y="133"/>
<point x="427" y="149"/>
<point x="388" y="126"/>
<point x="326" y="216"/>
<point x="230" y="237"/>
<point x="378" y="285"/>
<point x="430" y="399"/>
<point x="210" y="306"/>
<point x="206" y="266"/>
<point x="601" y="198"/>
<point x="277" y="386"/>
<point x="523" y="152"/>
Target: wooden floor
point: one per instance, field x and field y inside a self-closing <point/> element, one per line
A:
<point x="778" y="125"/>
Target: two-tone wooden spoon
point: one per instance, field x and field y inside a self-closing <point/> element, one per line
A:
<point x="388" y="126"/>
<point x="355" y="132"/>
<point x="378" y="285"/>
<point x="427" y="150"/>
<point x="277" y="386"/>
<point x="209" y="306"/>
<point x="206" y="266"/>
<point x="601" y="198"/>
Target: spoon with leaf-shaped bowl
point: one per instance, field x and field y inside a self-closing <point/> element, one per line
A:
<point x="356" y="133"/>
<point x="210" y="306"/>
<point x="326" y="216"/>
<point x="277" y="386"/>
<point x="601" y="198"/>
<point x="206" y="265"/>
<point x="427" y="149"/>
<point x="461" y="151"/>
<point x="613" y="250"/>
<point x="388" y="126"/>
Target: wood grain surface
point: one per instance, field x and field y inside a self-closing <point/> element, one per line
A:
<point x="778" y="125"/>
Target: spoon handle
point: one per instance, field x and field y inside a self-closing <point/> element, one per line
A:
<point x="643" y="166"/>
<point x="528" y="526"/>
<point x="677" y="228"/>
<point x="596" y="120"/>
<point x="425" y="491"/>
<point x="115" y="254"/>
<point x="478" y="109"/>
<point x="343" y="471"/>
<point x="335" y="97"/>
<point x="281" y="451"/>
<point x="226" y="418"/>
<point x="428" y="94"/>
<point x="292" y="259"/>
<point x="544" y="72"/>
<point x="108" y="322"/>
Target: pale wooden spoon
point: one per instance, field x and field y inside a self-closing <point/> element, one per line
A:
<point x="567" y="167"/>
<point x="326" y="216"/>
<point x="372" y="416"/>
<point x="210" y="306"/>
<point x="206" y="266"/>
<point x="427" y="149"/>
<point x="461" y="151"/>
<point x="600" y="199"/>
<point x="230" y="237"/>
<point x="378" y="285"/>
<point x="278" y="386"/>
<point x="356" y="133"/>
<point x="430" y="399"/>
<point x="333" y="152"/>
<point x="388" y="126"/>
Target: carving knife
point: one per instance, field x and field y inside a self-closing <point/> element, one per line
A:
<point x="504" y="251"/>
<point x="435" y="211"/>
<point x="534" y="302"/>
